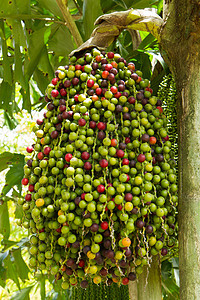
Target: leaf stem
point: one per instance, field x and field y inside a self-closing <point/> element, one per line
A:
<point x="70" y="22"/>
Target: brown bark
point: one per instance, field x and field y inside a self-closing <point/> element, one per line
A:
<point x="181" y="41"/>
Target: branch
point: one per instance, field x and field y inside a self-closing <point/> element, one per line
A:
<point x="77" y="6"/>
<point x="70" y="22"/>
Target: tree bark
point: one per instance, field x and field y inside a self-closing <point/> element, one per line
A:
<point x="189" y="195"/>
<point x="149" y="282"/>
<point x="133" y="293"/>
<point x="181" y="42"/>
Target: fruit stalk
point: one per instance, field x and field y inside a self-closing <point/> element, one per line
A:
<point x="70" y="22"/>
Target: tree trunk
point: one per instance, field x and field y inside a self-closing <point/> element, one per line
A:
<point x="189" y="195"/>
<point x="181" y="42"/>
<point x="133" y="293"/>
<point x="149" y="282"/>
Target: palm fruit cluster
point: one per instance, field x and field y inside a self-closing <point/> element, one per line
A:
<point x="101" y="178"/>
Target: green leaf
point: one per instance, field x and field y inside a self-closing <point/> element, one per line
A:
<point x="52" y="6"/>
<point x="18" y="32"/>
<point x="15" y="174"/>
<point x="22" y="269"/>
<point x="23" y="294"/>
<point x="23" y="243"/>
<point x="18" y="211"/>
<point x="61" y="41"/>
<point x="18" y="72"/>
<point x="171" y="289"/>
<point x="11" y="122"/>
<point x="91" y="11"/>
<point x="6" y="97"/>
<point x="147" y="41"/>
<point x="6" y="61"/>
<point x="45" y="65"/>
<point x="42" y="286"/>
<point x="23" y="6"/>
<point x="36" y="46"/>
<point x="26" y="98"/>
<point x="4" y="220"/>
<point x="2" y="269"/>
<point x="11" y="270"/>
<point x="42" y="82"/>
<point x="5" y="160"/>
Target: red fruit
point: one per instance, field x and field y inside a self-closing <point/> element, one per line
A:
<point x="128" y="177"/>
<point x="108" y="67"/>
<point x="139" y="79"/>
<point x="92" y="124"/>
<point x="104" y="225"/>
<point x="128" y="197"/>
<point x="90" y="83"/>
<point x="149" y="90"/>
<point x="113" y="89"/>
<point x="28" y="197"/>
<point x="125" y="161"/>
<point x="58" y="230"/>
<point x="83" y="196"/>
<point x="39" y="122"/>
<point x="81" y="263"/>
<point x="62" y="108"/>
<point x="41" y="230"/>
<point x="68" y="157"/>
<point x="40" y="155"/>
<point x="100" y="188"/>
<point x="87" y="166"/>
<point x="110" y="55"/>
<point x="105" y="74"/>
<point x="103" y="163"/>
<point x="81" y="122"/>
<point x="78" y="67"/>
<point x="54" y="134"/>
<point x="54" y="93"/>
<point x="117" y="95"/>
<point x="120" y="153"/>
<point x="160" y="109"/>
<point x="152" y="140"/>
<point x="45" y="115"/>
<point x="29" y="149"/>
<point x="98" y="91"/>
<point x="85" y="155"/>
<point x="98" y="58"/>
<point x="47" y="150"/>
<point x="141" y="158"/>
<point x="63" y="92"/>
<point x="31" y="187"/>
<point x="131" y="66"/>
<point x="131" y="100"/>
<point x="125" y="281"/>
<point x="55" y="80"/>
<point x="127" y="140"/>
<point x="25" y="181"/>
<point x="119" y="206"/>
<point x="166" y="138"/>
<point x="153" y="160"/>
<point x="114" y="143"/>
<point x="76" y="98"/>
<point x="101" y="126"/>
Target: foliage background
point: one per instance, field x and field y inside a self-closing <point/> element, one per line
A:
<point x="34" y="41"/>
